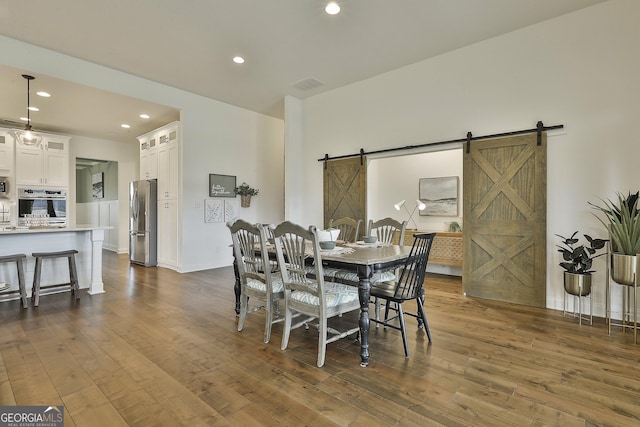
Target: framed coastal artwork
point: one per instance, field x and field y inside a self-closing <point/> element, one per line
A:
<point x="440" y="195"/>
<point x="222" y="185"/>
<point x="97" y="185"/>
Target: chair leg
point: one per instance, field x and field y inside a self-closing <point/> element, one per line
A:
<point x="268" y="308"/>
<point x="403" y="330"/>
<point x="21" y="283"/>
<point x="423" y="315"/>
<point x="419" y="301"/>
<point x="322" y="341"/>
<point x="35" y="291"/>
<point x="244" y="302"/>
<point x="377" y="306"/>
<point x="73" y="276"/>
<point x="286" y="330"/>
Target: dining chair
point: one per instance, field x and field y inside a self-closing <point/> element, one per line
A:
<point x="349" y="228"/>
<point x="408" y="287"/>
<point x="312" y="298"/>
<point x="257" y="279"/>
<point x="385" y="230"/>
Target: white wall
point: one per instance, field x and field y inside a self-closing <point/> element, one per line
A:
<point x="580" y="70"/>
<point x="217" y="138"/>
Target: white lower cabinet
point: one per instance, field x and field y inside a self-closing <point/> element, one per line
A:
<point x="168" y="233"/>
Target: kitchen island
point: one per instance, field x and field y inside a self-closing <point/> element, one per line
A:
<point x="87" y="240"/>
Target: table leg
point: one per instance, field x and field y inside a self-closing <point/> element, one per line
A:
<point x="364" y="294"/>
<point x="236" y="286"/>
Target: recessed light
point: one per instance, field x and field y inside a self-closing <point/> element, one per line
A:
<point x="31" y="108"/>
<point x="238" y="59"/>
<point x="124" y="125"/>
<point x="144" y="116"/>
<point x="332" y="8"/>
<point x="43" y="94"/>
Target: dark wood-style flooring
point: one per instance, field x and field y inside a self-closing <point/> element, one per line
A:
<point x="161" y="349"/>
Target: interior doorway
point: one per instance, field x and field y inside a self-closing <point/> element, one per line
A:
<point x="97" y="197"/>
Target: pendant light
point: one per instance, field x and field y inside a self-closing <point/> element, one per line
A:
<point x="27" y="136"/>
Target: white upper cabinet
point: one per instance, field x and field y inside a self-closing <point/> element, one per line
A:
<point x="168" y="162"/>
<point x="6" y="153"/>
<point x="148" y="157"/>
<point x="46" y="164"/>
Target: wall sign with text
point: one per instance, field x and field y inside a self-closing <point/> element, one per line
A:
<point x="222" y="185"/>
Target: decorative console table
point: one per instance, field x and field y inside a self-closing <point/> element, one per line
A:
<point x="446" y="249"/>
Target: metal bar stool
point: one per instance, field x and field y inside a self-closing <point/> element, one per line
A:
<point x="22" y="290"/>
<point x="73" y="273"/>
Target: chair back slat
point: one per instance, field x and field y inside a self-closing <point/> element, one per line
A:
<point x="250" y="250"/>
<point x="409" y="285"/>
<point x="386" y="228"/>
<point x="294" y="245"/>
<point x="349" y="228"/>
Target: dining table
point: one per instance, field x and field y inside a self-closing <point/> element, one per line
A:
<point x="364" y="259"/>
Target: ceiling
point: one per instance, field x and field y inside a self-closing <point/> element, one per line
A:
<point x="284" y="42"/>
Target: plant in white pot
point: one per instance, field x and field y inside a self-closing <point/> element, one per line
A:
<point x="622" y="221"/>
<point x="577" y="262"/>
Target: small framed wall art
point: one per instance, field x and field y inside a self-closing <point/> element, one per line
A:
<point x="222" y="185"/>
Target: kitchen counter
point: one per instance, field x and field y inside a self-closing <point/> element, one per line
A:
<point x="86" y="239"/>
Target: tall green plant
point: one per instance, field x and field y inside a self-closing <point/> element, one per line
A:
<point x="622" y="220"/>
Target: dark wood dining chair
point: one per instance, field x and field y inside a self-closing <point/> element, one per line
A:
<point x="409" y="286"/>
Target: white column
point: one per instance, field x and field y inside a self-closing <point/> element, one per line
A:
<point x="96" y="286"/>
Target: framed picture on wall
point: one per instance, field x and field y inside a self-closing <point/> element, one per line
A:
<point x="222" y="185"/>
<point x="97" y="185"/>
<point x="440" y="195"/>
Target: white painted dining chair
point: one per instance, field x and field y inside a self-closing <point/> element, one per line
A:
<point x="258" y="280"/>
<point x="312" y="298"/>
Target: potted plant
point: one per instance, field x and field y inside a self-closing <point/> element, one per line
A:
<point x="622" y="221"/>
<point x="245" y="192"/>
<point x="578" y="260"/>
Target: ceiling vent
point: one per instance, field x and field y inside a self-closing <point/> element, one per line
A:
<point x="307" y="84"/>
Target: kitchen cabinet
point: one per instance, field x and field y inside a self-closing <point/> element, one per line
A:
<point x="168" y="163"/>
<point x="6" y="153"/>
<point x="160" y="159"/>
<point x="168" y="233"/>
<point x="148" y="157"/>
<point x="44" y="165"/>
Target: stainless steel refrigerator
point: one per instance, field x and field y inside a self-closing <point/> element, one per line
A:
<point x="143" y="205"/>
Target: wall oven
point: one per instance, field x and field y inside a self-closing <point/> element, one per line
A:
<point x="38" y="207"/>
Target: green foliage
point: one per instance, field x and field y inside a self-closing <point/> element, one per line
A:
<point x="622" y="221"/>
<point x="244" y="190"/>
<point x="579" y="259"/>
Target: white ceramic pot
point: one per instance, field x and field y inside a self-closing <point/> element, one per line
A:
<point x="328" y="235"/>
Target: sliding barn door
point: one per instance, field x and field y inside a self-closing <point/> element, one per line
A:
<point x="505" y="220"/>
<point x="345" y="189"/>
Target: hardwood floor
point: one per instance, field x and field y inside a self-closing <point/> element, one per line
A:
<point x="161" y="348"/>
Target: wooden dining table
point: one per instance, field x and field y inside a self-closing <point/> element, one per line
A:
<point x="364" y="260"/>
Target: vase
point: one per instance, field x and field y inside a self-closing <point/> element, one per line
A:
<point x="577" y="284"/>
<point x="245" y="200"/>
<point x="623" y="269"/>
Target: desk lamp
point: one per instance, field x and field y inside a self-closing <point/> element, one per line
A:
<point x="419" y="205"/>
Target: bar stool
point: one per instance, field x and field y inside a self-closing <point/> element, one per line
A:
<point x="73" y="273"/>
<point x="22" y="290"/>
